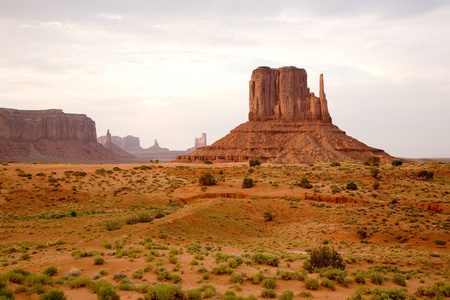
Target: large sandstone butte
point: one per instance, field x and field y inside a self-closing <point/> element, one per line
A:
<point x="50" y="136"/>
<point x="287" y="124"/>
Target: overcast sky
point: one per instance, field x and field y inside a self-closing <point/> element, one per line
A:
<point x="170" y="70"/>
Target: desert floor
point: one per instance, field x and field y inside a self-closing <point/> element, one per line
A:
<point x="140" y="226"/>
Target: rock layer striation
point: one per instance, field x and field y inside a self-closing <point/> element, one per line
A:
<point x="287" y="124"/>
<point x="50" y="136"/>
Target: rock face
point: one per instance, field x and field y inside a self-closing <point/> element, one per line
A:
<point x="287" y="124"/>
<point x="201" y="142"/>
<point x="283" y="94"/>
<point x="52" y="124"/>
<point x="49" y="135"/>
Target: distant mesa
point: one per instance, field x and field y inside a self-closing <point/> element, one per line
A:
<point x="287" y="124"/>
<point x="131" y="145"/>
<point x="51" y="136"/>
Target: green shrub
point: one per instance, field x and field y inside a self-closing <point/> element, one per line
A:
<point x="373" y="160"/>
<point x="25" y="256"/>
<point x="325" y="257"/>
<point x="286" y="295"/>
<point x="438" y="290"/>
<point x="222" y="269"/>
<point x="207" y="162"/>
<point x="164" y="292"/>
<point x="235" y="262"/>
<point x="376" y="278"/>
<point x="107" y="293"/>
<point x="268" y="293"/>
<point x="6" y="294"/>
<point x="79" y="282"/>
<point x="396" y="163"/>
<point x="257" y="278"/>
<point x="207" y="179"/>
<point x="335" y="164"/>
<point x="328" y="284"/>
<point x="362" y="233"/>
<point x="311" y="284"/>
<point x="194" y="294"/>
<point x="269" y="283"/>
<point x="399" y="279"/>
<point x="50" y="271"/>
<point x="425" y="175"/>
<point x="268" y="259"/>
<point x="247" y="183"/>
<point x="99" y="260"/>
<point x="253" y="162"/>
<point x="304" y="183"/>
<point x="53" y="295"/>
<point x="113" y="224"/>
<point x="440" y="242"/>
<point x="268" y="216"/>
<point x="375" y="184"/>
<point x="209" y="291"/>
<point x="138" y="274"/>
<point x="236" y="278"/>
<point x="359" y="278"/>
<point x="351" y="186"/>
<point x="390" y="293"/>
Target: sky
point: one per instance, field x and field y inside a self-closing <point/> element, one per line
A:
<point x="171" y="70"/>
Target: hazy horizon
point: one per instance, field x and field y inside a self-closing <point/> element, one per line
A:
<point x="172" y="70"/>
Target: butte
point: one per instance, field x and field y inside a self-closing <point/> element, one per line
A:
<point x="287" y="124"/>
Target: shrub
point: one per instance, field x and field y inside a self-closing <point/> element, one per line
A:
<point x="194" y="294"/>
<point x="268" y="259"/>
<point x="107" y="293"/>
<point x="374" y="172"/>
<point x="438" y="290"/>
<point x="159" y="292"/>
<point x="325" y="257"/>
<point x="328" y="284"/>
<point x="207" y="179"/>
<point x="257" y="278"/>
<point x="253" y="162"/>
<point x="209" y="291"/>
<point x="286" y="295"/>
<point x="268" y="293"/>
<point x="396" y="163"/>
<point x="79" y="282"/>
<point x="335" y="164"/>
<point x="351" y="186"/>
<point x="375" y="184"/>
<point x="391" y="293"/>
<point x="425" y="175"/>
<point x="373" y="160"/>
<point x="311" y="284"/>
<point x="6" y="294"/>
<point x="362" y="233"/>
<point x="207" y="162"/>
<point x="236" y="278"/>
<point x="247" y="183"/>
<point x="107" y="245"/>
<point x="440" y="242"/>
<point x="138" y="274"/>
<point x="53" y="295"/>
<point x="399" y="279"/>
<point x="359" y="278"/>
<point x="268" y="216"/>
<point x="222" y="269"/>
<point x="304" y="183"/>
<point x="376" y="278"/>
<point x="25" y="256"/>
<point x="269" y="283"/>
<point x="99" y="260"/>
<point x="50" y="271"/>
<point x="114" y="224"/>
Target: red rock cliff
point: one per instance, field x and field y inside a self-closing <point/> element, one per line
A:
<point x="52" y="124"/>
<point x="283" y="94"/>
